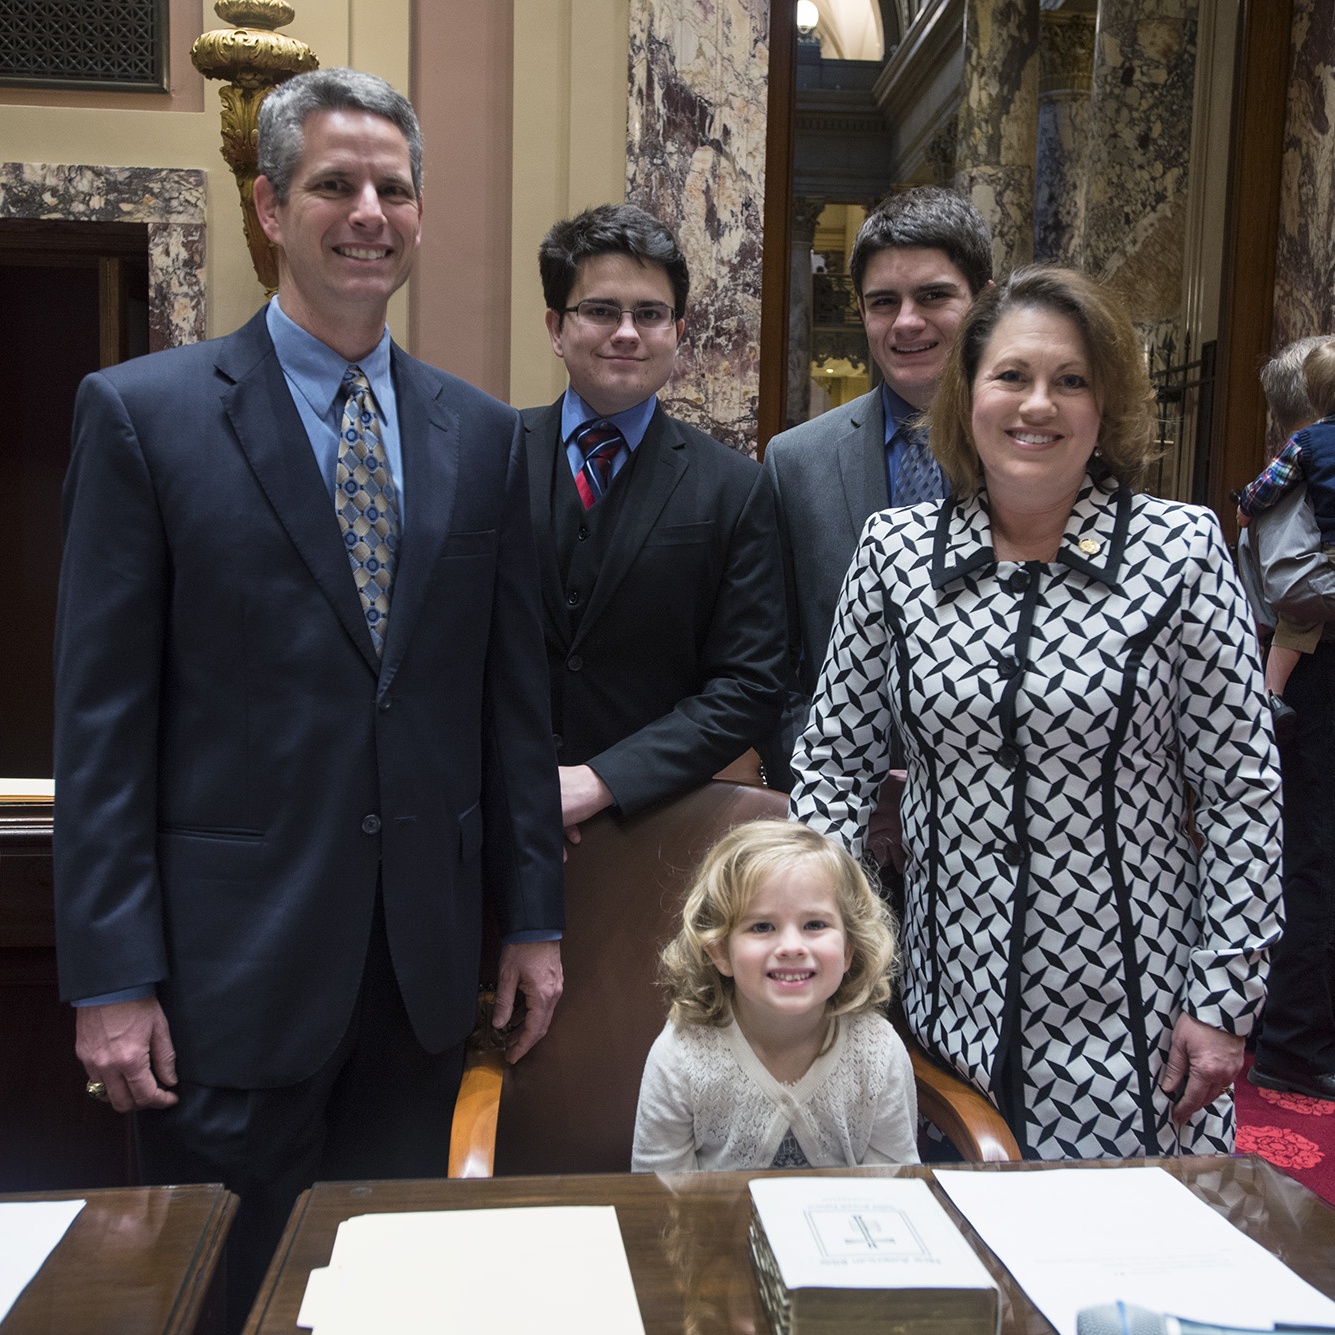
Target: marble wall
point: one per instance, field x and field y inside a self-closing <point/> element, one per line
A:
<point x="1066" y="59"/>
<point x="1134" y="181"/>
<point x="998" y="123"/>
<point x="695" y="157"/>
<point x="1305" y="269"/>
<point x="171" y="202"/>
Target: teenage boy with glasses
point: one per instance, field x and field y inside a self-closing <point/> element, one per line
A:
<point x="660" y="569"/>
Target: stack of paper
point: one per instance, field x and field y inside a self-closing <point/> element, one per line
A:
<point x="1075" y="1238"/>
<point x="853" y="1254"/>
<point x="559" y="1269"/>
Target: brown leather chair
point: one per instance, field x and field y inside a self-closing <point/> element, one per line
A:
<point x="569" y="1105"/>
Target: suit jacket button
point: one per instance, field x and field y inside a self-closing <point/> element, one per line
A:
<point x="583" y="532"/>
<point x="386" y="703"/>
<point x="1014" y="854"/>
<point x="1007" y="666"/>
<point x="371" y="824"/>
<point x="574" y="662"/>
<point x="572" y="598"/>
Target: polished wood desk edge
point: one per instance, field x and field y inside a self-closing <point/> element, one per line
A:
<point x="481" y="1193"/>
<point x="260" y="1307"/>
<point x="194" y="1293"/>
<point x="188" y="1304"/>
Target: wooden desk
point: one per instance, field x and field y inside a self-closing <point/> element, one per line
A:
<point x="687" y="1248"/>
<point x="135" y="1261"/>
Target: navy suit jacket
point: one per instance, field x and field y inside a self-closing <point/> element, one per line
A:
<point x="676" y="667"/>
<point x="237" y="772"/>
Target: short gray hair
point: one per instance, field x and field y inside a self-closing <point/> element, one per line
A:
<point x="1282" y="382"/>
<point x="284" y="112"/>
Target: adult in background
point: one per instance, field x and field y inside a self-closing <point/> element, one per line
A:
<point x="918" y="261"/>
<point x="1072" y="671"/>
<point x="1281" y="551"/>
<point x="301" y="722"/>
<point x="661" y="590"/>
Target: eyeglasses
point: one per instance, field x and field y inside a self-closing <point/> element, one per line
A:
<point x="607" y="315"/>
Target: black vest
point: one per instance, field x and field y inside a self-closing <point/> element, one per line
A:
<point x="582" y="536"/>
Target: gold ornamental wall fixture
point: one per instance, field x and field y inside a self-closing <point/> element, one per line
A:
<point x="253" y="57"/>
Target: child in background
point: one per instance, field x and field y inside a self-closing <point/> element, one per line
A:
<point x="1308" y="457"/>
<point x="775" y="1054"/>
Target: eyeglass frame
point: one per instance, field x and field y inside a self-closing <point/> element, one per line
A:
<point x="623" y="311"/>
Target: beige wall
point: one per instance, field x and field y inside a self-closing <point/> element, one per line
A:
<point x="171" y="130"/>
<point x="523" y="105"/>
<point x="570" y="89"/>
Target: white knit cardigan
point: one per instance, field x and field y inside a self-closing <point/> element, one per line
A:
<point x="707" y="1101"/>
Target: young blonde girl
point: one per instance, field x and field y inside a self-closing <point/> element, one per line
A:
<point x="775" y="1054"/>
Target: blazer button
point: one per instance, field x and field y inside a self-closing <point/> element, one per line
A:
<point x="1009" y="754"/>
<point x="1019" y="581"/>
<point x="574" y="662"/>
<point x="371" y="824"/>
<point x="583" y="532"/>
<point x="1007" y="666"/>
<point x="572" y="598"/>
<point x="1014" y="855"/>
<point x="386" y="703"/>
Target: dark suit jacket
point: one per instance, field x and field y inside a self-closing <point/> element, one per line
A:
<point x="676" y="667"/>
<point x="236" y="770"/>
<point x="828" y="478"/>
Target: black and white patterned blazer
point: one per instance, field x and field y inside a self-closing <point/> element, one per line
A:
<point x="1055" y="718"/>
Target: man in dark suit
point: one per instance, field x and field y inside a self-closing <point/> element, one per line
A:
<point x="918" y="261"/>
<point x="661" y="588"/>
<point x="302" y="725"/>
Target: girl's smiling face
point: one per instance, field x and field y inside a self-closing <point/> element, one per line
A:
<point x="788" y="953"/>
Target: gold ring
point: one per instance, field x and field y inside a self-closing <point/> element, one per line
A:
<point x="95" y="1089"/>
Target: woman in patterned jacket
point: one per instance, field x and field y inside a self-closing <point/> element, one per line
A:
<point x="1072" y="671"/>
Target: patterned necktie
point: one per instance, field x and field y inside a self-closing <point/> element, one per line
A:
<point x="600" y="443"/>
<point x="366" y="503"/>
<point x="919" y="475"/>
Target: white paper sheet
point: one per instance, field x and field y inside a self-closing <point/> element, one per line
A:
<point x="29" y="1231"/>
<point x="1082" y="1237"/>
<point x="561" y="1270"/>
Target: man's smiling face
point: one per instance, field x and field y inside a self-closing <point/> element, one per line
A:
<point x="913" y="299"/>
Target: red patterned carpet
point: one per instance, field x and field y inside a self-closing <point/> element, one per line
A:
<point x="1295" y="1132"/>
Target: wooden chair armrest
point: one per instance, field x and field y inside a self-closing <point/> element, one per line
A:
<point x="473" y="1131"/>
<point x="975" y="1128"/>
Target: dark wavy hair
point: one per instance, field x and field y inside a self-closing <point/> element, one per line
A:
<point x="610" y="229"/>
<point x="933" y="218"/>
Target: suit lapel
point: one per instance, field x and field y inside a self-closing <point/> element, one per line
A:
<point x="544" y="443"/>
<point x="660" y="464"/>
<point x="273" y="439"/>
<point x="861" y="452"/>
<point x="432" y="449"/>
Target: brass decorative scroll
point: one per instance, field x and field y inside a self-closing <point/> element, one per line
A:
<point x="253" y="57"/>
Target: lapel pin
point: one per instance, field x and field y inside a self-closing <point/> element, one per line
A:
<point x="1089" y="546"/>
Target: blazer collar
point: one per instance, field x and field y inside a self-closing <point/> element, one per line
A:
<point x="1094" y="542"/>
<point x="861" y="453"/>
<point x="543" y="426"/>
<point x="661" y="462"/>
<point x="269" y="430"/>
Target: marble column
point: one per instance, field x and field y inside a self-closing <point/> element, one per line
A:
<point x="1305" y="268"/>
<point x="806" y="213"/>
<point x="1066" y="61"/>
<point x="1134" y="183"/>
<point x="998" y="125"/>
<point x="695" y="157"/>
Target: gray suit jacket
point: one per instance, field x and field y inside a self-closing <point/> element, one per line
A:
<point x="828" y="477"/>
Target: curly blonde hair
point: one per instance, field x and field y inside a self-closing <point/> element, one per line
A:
<point x="1127" y="431"/>
<point x="729" y="879"/>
